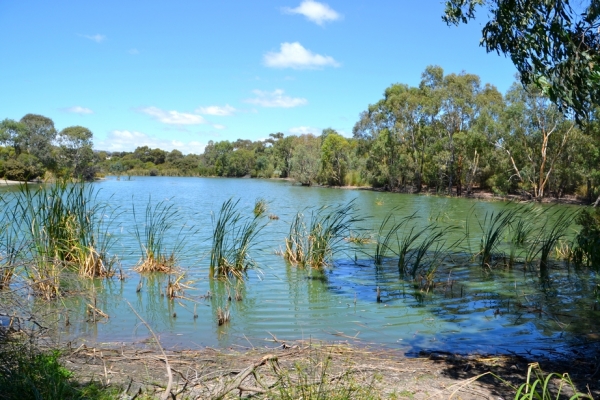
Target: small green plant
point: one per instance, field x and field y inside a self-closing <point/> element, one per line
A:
<point x="313" y="379"/>
<point x="542" y="386"/>
<point x="260" y="207"/>
<point x="233" y="238"/>
<point x="26" y="372"/>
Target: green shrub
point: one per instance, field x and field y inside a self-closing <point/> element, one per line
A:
<point x="587" y="242"/>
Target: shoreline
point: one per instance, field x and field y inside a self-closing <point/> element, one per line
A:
<point x="212" y="373"/>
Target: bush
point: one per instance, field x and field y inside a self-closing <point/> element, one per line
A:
<point x="587" y="242"/>
<point x="24" y="168"/>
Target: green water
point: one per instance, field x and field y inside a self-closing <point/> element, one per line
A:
<point x="471" y="309"/>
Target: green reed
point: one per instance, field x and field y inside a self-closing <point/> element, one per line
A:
<point x="549" y="234"/>
<point x="316" y="244"/>
<point x="233" y="237"/>
<point x="382" y="246"/>
<point x="54" y="228"/>
<point x="431" y="247"/>
<point x="493" y="230"/>
<point x="260" y="207"/>
<point x="161" y="221"/>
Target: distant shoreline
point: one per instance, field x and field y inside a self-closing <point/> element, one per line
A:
<point x="6" y="182"/>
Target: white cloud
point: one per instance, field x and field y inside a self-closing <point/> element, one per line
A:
<point x="173" y="117"/>
<point x="275" y="98"/>
<point x="78" y="110"/>
<point x="216" y="110"/>
<point x="319" y="13"/>
<point x="96" y="38"/>
<point x="219" y="126"/>
<point x="294" y="55"/>
<point x="302" y="130"/>
<point x="124" y="140"/>
<point x="134" y="51"/>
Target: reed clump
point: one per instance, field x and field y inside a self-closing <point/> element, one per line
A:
<point x="161" y="221"/>
<point x="234" y="236"/>
<point x="55" y="228"/>
<point x="493" y="229"/>
<point x="315" y="245"/>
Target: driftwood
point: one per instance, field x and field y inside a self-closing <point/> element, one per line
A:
<point x="236" y="383"/>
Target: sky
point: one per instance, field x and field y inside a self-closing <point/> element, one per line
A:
<point x="176" y="74"/>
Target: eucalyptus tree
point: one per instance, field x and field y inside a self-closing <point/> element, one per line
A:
<point x="12" y="134"/>
<point x="39" y="138"/>
<point x="536" y="133"/>
<point x="334" y="159"/>
<point x="553" y="45"/>
<point x="306" y="159"/>
<point x="75" y="153"/>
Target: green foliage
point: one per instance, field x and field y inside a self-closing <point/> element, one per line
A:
<point x="587" y="241"/>
<point x="24" y="168"/>
<point x="552" y="45"/>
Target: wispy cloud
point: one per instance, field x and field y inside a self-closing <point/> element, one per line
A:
<point x="216" y="110"/>
<point x="173" y="117"/>
<point x="219" y="126"/>
<point x="98" y="38"/>
<point x="276" y="98"/>
<point x="77" y="110"/>
<point x="294" y="55"/>
<point x="319" y="13"/>
<point x="125" y="140"/>
<point x="134" y="52"/>
<point x="302" y="130"/>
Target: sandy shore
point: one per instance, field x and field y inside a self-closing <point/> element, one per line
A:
<point x="5" y="182"/>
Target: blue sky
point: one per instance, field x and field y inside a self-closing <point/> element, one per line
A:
<point x="178" y="73"/>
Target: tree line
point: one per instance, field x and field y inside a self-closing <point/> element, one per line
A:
<point x="450" y="134"/>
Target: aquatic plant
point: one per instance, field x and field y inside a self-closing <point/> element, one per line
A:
<point x="316" y="245"/>
<point x="295" y="242"/>
<point x="432" y="247"/>
<point x="161" y="221"/>
<point x="405" y="245"/>
<point x="493" y="229"/>
<point x="233" y="238"/>
<point x="382" y="246"/>
<point x="547" y="239"/>
<point x="54" y="228"/>
<point x="260" y="207"/>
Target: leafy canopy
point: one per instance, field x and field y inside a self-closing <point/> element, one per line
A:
<point x="553" y="44"/>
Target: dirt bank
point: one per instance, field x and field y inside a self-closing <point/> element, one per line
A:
<point x="277" y="368"/>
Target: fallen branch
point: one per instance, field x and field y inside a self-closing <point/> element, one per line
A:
<point x="236" y="383"/>
<point x="167" y="392"/>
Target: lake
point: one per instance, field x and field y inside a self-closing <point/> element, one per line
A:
<point x="469" y="308"/>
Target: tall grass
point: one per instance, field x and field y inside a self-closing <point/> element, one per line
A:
<point x="431" y="248"/>
<point x="382" y="246"/>
<point x="553" y="230"/>
<point x="316" y="244"/>
<point x="493" y="230"/>
<point x="161" y="222"/>
<point x="233" y="237"/>
<point x="54" y="228"/>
